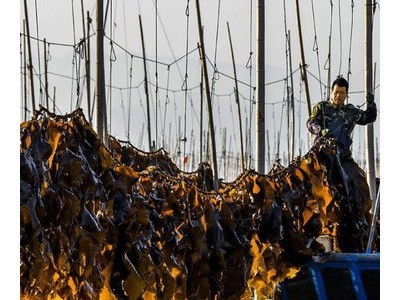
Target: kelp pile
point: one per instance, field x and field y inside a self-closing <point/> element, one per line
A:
<point x="115" y="222"/>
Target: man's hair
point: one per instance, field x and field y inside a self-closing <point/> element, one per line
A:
<point x="341" y="82"/>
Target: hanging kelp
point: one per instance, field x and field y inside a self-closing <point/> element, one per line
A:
<point x="120" y="223"/>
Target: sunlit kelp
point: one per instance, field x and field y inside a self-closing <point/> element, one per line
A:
<point x="115" y="222"/>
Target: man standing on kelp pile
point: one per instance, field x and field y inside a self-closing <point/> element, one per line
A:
<point x="334" y="119"/>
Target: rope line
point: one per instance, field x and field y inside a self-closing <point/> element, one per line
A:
<point x="76" y="45"/>
<point x="351" y="40"/>
<point x="124" y="115"/>
<point x="51" y="98"/>
<point x="328" y="60"/>
<point x="168" y="88"/>
<point x="215" y="69"/>
<point x="80" y="50"/>
<point x="316" y="48"/>
<point x="317" y="79"/>
<point x="42" y="40"/>
<point x="170" y="46"/>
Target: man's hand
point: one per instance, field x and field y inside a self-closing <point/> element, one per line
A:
<point x="325" y="132"/>
<point x="370" y="98"/>
<point x="315" y="128"/>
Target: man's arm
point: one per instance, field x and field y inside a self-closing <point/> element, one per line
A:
<point x="314" y="122"/>
<point x="370" y="114"/>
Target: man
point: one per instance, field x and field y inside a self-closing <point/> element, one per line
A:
<point x="334" y="119"/>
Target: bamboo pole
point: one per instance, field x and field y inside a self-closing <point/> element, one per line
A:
<point x="100" y="81"/>
<point x="230" y="156"/>
<point x="30" y="58"/>
<point x="169" y="137"/>
<point x="156" y="74"/>
<point x="269" y="150"/>
<point x="25" y="79"/>
<point x="201" y="117"/>
<point x="21" y="64"/>
<point x="247" y="137"/>
<point x="328" y="84"/>
<point x="146" y="87"/>
<point x="373" y="223"/>
<point x="179" y="143"/>
<point x="369" y="134"/>
<point x="292" y="96"/>
<point x="288" y="106"/>
<point x="207" y="136"/>
<point x="46" y="82"/>
<point x="224" y="150"/>
<point x="377" y="160"/>
<point x="278" y="145"/>
<point x="208" y="96"/>
<point x="88" y="83"/>
<point x="303" y="60"/>
<point x="193" y="150"/>
<point x="288" y="118"/>
<point x="260" y="91"/>
<point x="243" y="163"/>
<point x="54" y="100"/>
<point x="84" y="42"/>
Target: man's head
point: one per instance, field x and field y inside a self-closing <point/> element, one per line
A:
<point x="340" y="88"/>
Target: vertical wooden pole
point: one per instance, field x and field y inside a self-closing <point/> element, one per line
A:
<point x="88" y="83"/>
<point x="230" y="163"/>
<point x="369" y="134"/>
<point x="247" y="137"/>
<point x="201" y="117"/>
<point x="169" y="137"/>
<point x="84" y="42"/>
<point x="237" y="102"/>
<point x="328" y="83"/>
<point x="377" y="157"/>
<point x="25" y="75"/>
<point x="303" y="60"/>
<point x="288" y="117"/>
<point x="269" y="150"/>
<point x="54" y="100"/>
<point x="156" y="74"/>
<point x="146" y="87"/>
<point x="100" y="81"/>
<point x="208" y="97"/>
<point x="278" y="144"/>
<point x="292" y="96"/>
<point x="207" y="144"/>
<point x="30" y="59"/>
<point x="224" y="149"/>
<point x="260" y="91"/>
<point x="46" y="82"/>
<point x="193" y="150"/>
<point x="179" y="143"/>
